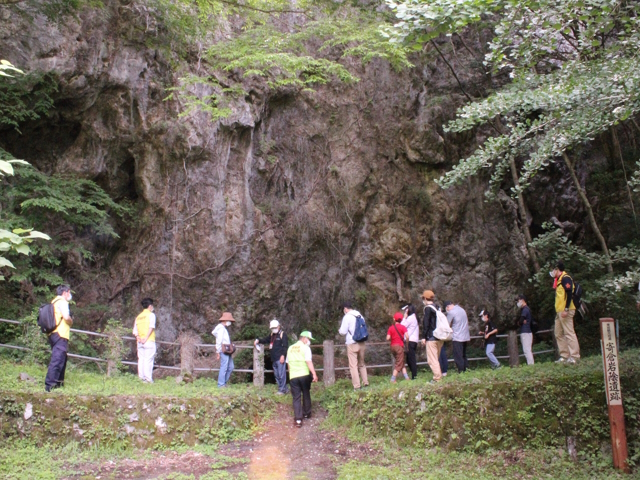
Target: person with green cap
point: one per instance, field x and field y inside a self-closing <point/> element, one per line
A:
<point x="301" y="374"/>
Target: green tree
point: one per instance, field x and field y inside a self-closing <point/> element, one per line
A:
<point x="574" y="69"/>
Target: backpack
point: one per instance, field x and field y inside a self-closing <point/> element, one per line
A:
<point x="443" y="330"/>
<point x="47" y="318"/>
<point x="360" y="333"/>
<point x="577" y="295"/>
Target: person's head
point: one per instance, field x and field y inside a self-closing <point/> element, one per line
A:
<point x="347" y="307"/>
<point x="305" y="337"/>
<point x="147" y="303"/>
<point x="448" y="306"/>
<point x="428" y="296"/>
<point x="226" y="319"/>
<point x="522" y="300"/>
<point x="485" y="315"/>
<point x="409" y="310"/>
<point x="557" y="269"/>
<point x="398" y="317"/>
<point x="64" y="291"/>
<point x="274" y="326"/>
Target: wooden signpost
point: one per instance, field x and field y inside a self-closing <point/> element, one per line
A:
<point x="614" y="394"/>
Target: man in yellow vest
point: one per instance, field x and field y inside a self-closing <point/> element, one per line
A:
<point x="144" y="330"/>
<point x="59" y="339"/>
<point x="300" y="376"/>
<point x="568" y="346"/>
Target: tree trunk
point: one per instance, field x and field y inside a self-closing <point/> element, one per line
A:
<point x="523" y="216"/>
<point x="592" y="219"/>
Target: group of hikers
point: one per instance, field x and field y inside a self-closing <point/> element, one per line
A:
<point x="439" y="325"/>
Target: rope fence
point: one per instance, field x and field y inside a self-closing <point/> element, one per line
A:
<point x="258" y="370"/>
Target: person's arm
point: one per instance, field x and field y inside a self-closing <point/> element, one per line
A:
<point x="344" y="326"/>
<point x="285" y="346"/>
<point x="262" y="341"/>
<point x="495" y="330"/>
<point x="388" y="337"/>
<point x="312" y="370"/>
<point x="567" y="284"/>
<point x="218" y="335"/>
<point x="152" y="327"/>
<point x="63" y="308"/>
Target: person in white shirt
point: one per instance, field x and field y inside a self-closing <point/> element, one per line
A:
<point x="222" y="338"/>
<point x="144" y="329"/>
<point x="410" y="321"/>
<point x="355" y="350"/>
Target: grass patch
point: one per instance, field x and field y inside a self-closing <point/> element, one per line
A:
<point x="517" y="464"/>
<point x="535" y="407"/>
<point x="81" y="382"/>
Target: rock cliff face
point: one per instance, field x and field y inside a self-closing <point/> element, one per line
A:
<point x="293" y="204"/>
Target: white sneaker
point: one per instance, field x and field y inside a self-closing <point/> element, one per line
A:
<point x="561" y="360"/>
<point x="444" y="374"/>
<point x="571" y="360"/>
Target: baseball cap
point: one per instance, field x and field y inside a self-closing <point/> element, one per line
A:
<point x="274" y="323"/>
<point x="398" y="316"/>
<point x="307" y="334"/>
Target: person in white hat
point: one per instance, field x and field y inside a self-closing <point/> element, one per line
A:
<point x="278" y="346"/>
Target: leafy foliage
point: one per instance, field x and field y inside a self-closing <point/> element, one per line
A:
<point x="25" y="97"/>
<point x="288" y="48"/>
<point x="575" y="74"/>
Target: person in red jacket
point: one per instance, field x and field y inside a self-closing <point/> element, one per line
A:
<point x="397" y="334"/>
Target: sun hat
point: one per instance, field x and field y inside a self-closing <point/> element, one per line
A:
<point x="428" y="295"/>
<point x="274" y="323"/>
<point x="226" y="317"/>
<point x="307" y="334"/>
<point x="398" y="316"/>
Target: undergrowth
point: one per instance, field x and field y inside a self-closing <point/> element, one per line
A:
<point x="531" y="407"/>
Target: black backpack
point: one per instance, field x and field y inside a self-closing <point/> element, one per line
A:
<point x="577" y="295"/>
<point x="47" y="318"/>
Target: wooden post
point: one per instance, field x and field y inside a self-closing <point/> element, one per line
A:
<point x="614" y="394"/>
<point x="188" y="352"/>
<point x="329" y="373"/>
<point x="512" y="348"/>
<point x="258" y="366"/>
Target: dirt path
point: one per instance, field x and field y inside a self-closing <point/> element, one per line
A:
<point x="281" y="451"/>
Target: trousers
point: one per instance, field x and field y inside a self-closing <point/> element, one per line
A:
<point x="58" y="362"/>
<point x="280" y="372"/>
<point x="433" y="354"/>
<point x="568" y="346"/>
<point x="146" y="355"/>
<point x="492" y="358"/>
<point x="411" y="359"/>
<point x="443" y="360"/>
<point x="355" y="354"/>
<point x="527" y="342"/>
<point x="226" y="367"/>
<point x="460" y="355"/>
<point x="301" y="393"/>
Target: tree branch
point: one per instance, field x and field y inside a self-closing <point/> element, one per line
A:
<point x="452" y="71"/>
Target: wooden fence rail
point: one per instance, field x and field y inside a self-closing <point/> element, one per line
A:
<point x="328" y="368"/>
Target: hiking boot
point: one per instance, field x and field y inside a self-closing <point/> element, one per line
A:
<point x="297" y="423"/>
<point x="497" y="367"/>
<point x="571" y="361"/>
<point x="366" y="385"/>
<point x="307" y="416"/>
<point x="561" y="360"/>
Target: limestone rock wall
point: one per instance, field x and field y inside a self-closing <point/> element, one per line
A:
<point x="291" y="205"/>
